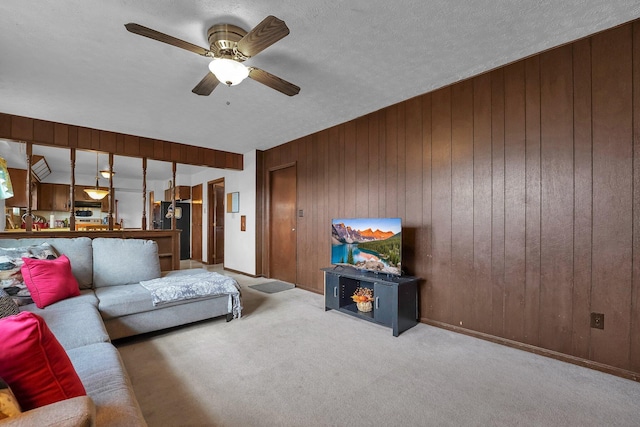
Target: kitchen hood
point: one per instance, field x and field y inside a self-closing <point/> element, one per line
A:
<point x="85" y="204"/>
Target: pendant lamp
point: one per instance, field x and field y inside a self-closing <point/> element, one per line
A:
<point x="96" y="193"/>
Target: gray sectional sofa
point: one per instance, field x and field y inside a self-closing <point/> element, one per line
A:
<point x="112" y="304"/>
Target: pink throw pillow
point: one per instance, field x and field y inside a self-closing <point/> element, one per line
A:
<point x="49" y="280"/>
<point x="34" y="364"/>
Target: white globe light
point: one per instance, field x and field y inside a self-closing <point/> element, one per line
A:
<point x="228" y="71"/>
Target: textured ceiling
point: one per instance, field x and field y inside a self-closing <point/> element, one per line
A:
<point x="72" y="61"/>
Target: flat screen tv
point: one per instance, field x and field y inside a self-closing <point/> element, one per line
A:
<point x="372" y="244"/>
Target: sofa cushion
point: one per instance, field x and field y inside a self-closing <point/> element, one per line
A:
<point x="80" y="255"/>
<point x="8" y="306"/>
<point x="34" y="364"/>
<point x="77" y="249"/>
<point x="74" y="325"/>
<point x="116" y="301"/>
<point x="11" y="261"/>
<point x="49" y="281"/>
<point x="87" y="296"/>
<point x="124" y="261"/>
<point x="100" y="368"/>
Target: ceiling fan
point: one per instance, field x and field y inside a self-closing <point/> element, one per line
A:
<point x="231" y="45"/>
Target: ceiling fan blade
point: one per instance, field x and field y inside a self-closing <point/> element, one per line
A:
<point x="263" y="35"/>
<point x="273" y="82"/>
<point x="206" y="85"/>
<point x="165" y="38"/>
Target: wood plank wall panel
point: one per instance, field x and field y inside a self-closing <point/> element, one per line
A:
<point x="412" y="251"/>
<point x="556" y="97"/>
<point x="60" y="134"/>
<point x="361" y="182"/>
<point x="532" y="208"/>
<point x="423" y="266"/>
<point x="582" y="198"/>
<point x="44" y="132"/>
<point x="519" y="190"/>
<point x="350" y="174"/>
<point x="21" y="128"/>
<point x="612" y="193"/>
<point x="382" y="159"/>
<point x="482" y="205"/>
<point x="497" y="202"/>
<point x="462" y="201"/>
<point x="634" y="352"/>
<point x="441" y="204"/>
<point x="515" y="197"/>
<point x="391" y="157"/>
<point x="324" y="216"/>
<point x="304" y="194"/>
<point x="373" y="157"/>
<point x="5" y="124"/>
<point x="401" y="135"/>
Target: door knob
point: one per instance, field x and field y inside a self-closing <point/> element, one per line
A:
<point x="293" y="229"/>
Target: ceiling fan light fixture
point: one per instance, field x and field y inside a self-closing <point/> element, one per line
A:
<point x="228" y="71"/>
<point x="106" y="173"/>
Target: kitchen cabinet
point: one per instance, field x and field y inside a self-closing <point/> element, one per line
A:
<point x="183" y="192"/>
<point x="54" y="197"/>
<point x="196" y="193"/>
<point x="19" y="184"/>
<point x="80" y="195"/>
<point x="105" y="203"/>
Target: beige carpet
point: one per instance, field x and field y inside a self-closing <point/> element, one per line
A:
<point x="287" y="362"/>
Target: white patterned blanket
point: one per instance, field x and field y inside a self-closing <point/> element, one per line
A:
<point x="181" y="287"/>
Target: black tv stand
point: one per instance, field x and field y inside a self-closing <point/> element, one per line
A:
<point x="395" y="297"/>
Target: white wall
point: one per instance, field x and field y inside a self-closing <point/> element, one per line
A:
<point x="239" y="246"/>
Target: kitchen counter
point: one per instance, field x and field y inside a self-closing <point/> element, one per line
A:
<point x="95" y="227"/>
<point x="17" y="230"/>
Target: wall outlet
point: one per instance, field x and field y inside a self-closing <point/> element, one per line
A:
<point x="597" y="320"/>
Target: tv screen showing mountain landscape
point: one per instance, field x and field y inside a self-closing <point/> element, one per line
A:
<point x="367" y="243"/>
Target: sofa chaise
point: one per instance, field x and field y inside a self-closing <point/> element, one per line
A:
<point x="111" y="304"/>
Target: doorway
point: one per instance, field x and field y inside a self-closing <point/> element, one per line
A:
<point x="215" y="221"/>
<point x="282" y="224"/>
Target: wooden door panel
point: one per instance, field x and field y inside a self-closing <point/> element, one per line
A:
<point x="282" y="224"/>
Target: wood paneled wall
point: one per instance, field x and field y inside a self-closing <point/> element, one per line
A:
<point x="519" y="191"/>
<point x="43" y="132"/>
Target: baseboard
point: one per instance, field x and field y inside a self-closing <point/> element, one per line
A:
<point x="538" y="350"/>
<point x="239" y="272"/>
<point x="315" y="291"/>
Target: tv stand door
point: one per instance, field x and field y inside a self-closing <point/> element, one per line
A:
<point x="331" y="291"/>
<point x="384" y="300"/>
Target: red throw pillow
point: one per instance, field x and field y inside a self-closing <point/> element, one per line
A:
<point x="49" y="280"/>
<point x="34" y="364"/>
